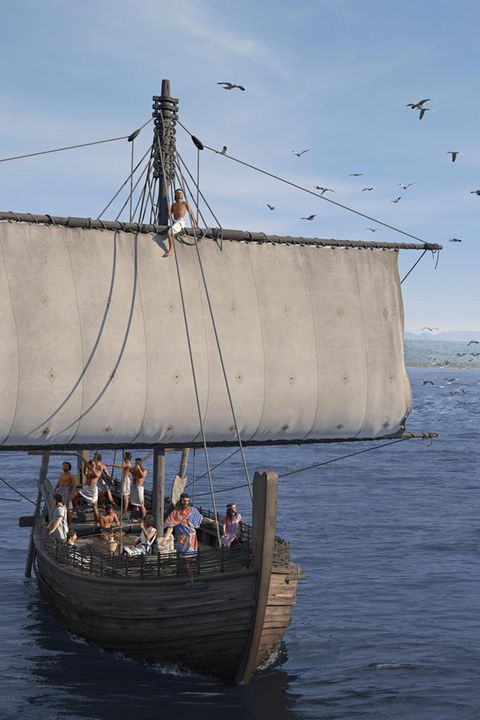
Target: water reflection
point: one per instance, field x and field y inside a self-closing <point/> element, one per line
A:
<point x="58" y="676"/>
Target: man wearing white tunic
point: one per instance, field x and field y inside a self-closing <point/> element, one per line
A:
<point x="90" y="490"/>
<point x="126" y="468"/>
<point x="58" y="526"/>
<point x="137" y="496"/>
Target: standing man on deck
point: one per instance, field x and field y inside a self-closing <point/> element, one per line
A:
<point x="126" y="468"/>
<point x="179" y="209"/>
<point x="103" y="489"/>
<point x="89" y="491"/>
<point x="183" y="520"/>
<point x="67" y="487"/>
<point x="58" y="526"/>
<point x="137" y="497"/>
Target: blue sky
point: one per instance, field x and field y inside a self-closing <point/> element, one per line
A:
<point x="330" y="75"/>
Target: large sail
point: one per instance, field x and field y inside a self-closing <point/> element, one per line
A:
<point x="94" y="348"/>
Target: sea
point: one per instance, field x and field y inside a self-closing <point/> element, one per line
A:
<point x="387" y="623"/>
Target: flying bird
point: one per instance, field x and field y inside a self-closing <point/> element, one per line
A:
<point x="454" y="240"/>
<point x="475" y="192"/>
<point x="422" y="112"/>
<point x="418" y="105"/>
<point x="230" y="86"/>
<point x="324" y="190"/>
<point x="372" y="229"/>
<point x="473" y="342"/>
<point x="356" y="174"/>
<point x="396" y="199"/>
<point x="363" y="189"/>
<point x="474" y="354"/>
<point x="310" y="217"/>
<point x="428" y="382"/>
<point x="299" y="154"/>
<point x="454" y="154"/>
<point x="270" y="207"/>
<point x="462" y="354"/>
<point x="429" y="328"/>
<point x="405" y="187"/>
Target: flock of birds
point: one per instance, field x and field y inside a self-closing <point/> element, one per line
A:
<point x="422" y="109"/>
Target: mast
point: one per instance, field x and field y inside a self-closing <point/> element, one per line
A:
<point x="165" y="113"/>
<point x="158" y="490"/>
<point x="41" y="479"/>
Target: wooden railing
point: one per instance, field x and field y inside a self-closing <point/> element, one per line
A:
<point x="90" y="561"/>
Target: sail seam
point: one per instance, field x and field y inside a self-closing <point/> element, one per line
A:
<point x="365" y="348"/>
<point x="317" y="374"/>
<point x="12" y="425"/>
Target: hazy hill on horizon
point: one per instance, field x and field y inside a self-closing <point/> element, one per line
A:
<point x="446" y="336"/>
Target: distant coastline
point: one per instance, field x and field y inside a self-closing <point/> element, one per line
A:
<point x="431" y="351"/>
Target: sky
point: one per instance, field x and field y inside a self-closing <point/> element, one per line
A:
<point x="333" y="76"/>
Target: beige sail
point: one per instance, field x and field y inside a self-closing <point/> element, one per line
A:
<point x="94" y="348"/>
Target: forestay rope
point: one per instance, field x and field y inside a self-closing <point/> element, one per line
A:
<point x="190" y="352"/>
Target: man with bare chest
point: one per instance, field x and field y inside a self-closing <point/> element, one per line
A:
<point x="179" y="209"/>
<point x="107" y="521"/>
<point x="89" y="491"/>
<point x="137" y="496"/>
<point x="66" y="487"/>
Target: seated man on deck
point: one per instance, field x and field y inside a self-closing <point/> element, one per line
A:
<point x="144" y="543"/>
<point x="89" y="491"/>
<point x="58" y="526"/>
<point x="179" y="209"/>
<point x="67" y="487"/>
<point x="107" y="521"/>
<point x="183" y="521"/>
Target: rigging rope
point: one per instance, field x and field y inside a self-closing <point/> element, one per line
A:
<point x="123" y="184"/>
<point x="192" y="363"/>
<point x="121" y="351"/>
<point x="316" y="465"/>
<point x="73" y="147"/>
<point x="342" y="457"/>
<point x="96" y="343"/>
<point x="218" y="464"/>
<point x="304" y="189"/>
<point x="222" y="362"/>
<point x="413" y="266"/>
<point x="17" y="491"/>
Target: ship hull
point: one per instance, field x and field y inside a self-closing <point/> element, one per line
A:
<point x="205" y="624"/>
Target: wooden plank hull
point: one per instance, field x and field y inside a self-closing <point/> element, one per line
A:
<point x="224" y="621"/>
<point x="203" y="625"/>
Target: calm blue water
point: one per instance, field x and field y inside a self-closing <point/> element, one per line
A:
<point x="387" y="623"/>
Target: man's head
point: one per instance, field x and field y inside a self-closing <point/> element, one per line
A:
<point x="72" y="536"/>
<point x="184" y="500"/>
<point x="178" y="194"/>
<point x="58" y="498"/>
<point x="138" y="461"/>
<point x="127" y="456"/>
<point x="67" y="467"/>
<point x="108" y="508"/>
<point x="97" y="457"/>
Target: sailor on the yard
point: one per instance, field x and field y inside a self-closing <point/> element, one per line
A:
<point x="183" y="521"/>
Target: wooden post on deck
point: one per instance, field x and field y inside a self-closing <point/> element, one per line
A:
<point x="31" y="547"/>
<point x="158" y="491"/>
<point x="81" y="461"/>
<point x="265" y="491"/>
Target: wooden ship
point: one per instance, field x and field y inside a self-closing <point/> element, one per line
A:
<point x="239" y="339"/>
